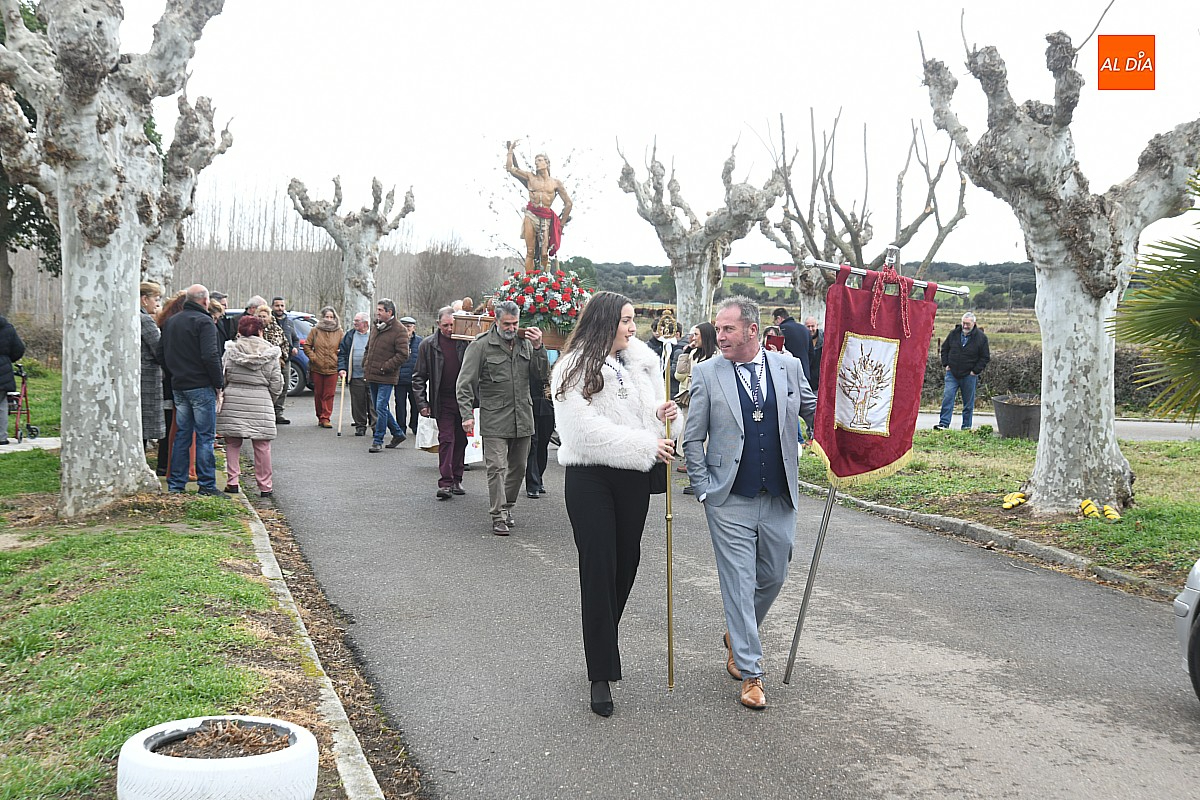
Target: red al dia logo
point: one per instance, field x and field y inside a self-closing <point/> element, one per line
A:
<point x="1125" y="62"/>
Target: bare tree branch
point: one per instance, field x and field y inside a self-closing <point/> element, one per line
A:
<point x="1103" y="14"/>
<point x="694" y="249"/>
<point x="356" y="234"/>
<point x="193" y="148"/>
<point x="24" y="160"/>
<point x="26" y="59"/>
<point x="161" y="71"/>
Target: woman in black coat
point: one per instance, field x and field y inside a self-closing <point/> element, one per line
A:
<point x="11" y="349"/>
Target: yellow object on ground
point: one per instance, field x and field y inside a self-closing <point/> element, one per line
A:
<point x="1111" y="513"/>
<point x="1088" y="507"/>
<point x="1013" y="499"/>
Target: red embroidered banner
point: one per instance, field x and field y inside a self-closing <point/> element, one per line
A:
<point x="872" y="369"/>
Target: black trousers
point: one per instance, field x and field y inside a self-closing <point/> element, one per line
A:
<point x="607" y="508"/>
<point x="539" y="454"/>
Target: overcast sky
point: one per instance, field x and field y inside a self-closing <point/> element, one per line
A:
<point x="426" y="94"/>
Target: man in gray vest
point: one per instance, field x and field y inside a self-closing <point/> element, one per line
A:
<point x="747" y="405"/>
<point x="350" y="361"/>
<point x="497" y="368"/>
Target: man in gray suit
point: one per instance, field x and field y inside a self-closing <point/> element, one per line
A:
<point x="747" y="405"/>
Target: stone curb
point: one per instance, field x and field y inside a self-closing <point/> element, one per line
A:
<point x="1000" y="540"/>
<point x="358" y="779"/>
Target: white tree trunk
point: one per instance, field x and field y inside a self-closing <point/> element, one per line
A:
<point x="91" y="153"/>
<point x="812" y="284"/>
<point x="103" y="457"/>
<point x="1077" y="454"/>
<point x="697" y="276"/>
<point x="358" y="268"/>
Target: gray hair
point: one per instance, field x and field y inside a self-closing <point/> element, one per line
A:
<point x="256" y="301"/>
<point x="362" y="315"/>
<point x="445" y="311"/>
<point x="969" y="316"/>
<point x="507" y="308"/>
<point x="747" y="308"/>
<point x="388" y="305"/>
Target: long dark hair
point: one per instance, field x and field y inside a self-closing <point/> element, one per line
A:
<point x="591" y="341"/>
<point x="708" y="342"/>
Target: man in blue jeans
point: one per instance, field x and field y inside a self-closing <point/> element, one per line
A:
<point x="387" y="351"/>
<point x="191" y="351"/>
<point x="964" y="356"/>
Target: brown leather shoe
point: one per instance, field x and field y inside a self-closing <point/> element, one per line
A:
<point x="499" y="528"/>
<point x="730" y="664"/>
<point x="753" y="695"/>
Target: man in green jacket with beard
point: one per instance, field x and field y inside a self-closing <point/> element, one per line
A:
<point x="497" y="368"/>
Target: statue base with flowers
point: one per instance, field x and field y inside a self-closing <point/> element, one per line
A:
<point x="550" y="300"/>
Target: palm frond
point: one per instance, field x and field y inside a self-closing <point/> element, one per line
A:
<point x="1161" y="312"/>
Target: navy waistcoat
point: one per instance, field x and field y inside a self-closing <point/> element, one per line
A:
<point x="761" y="465"/>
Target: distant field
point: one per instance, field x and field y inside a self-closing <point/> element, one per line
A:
<point x="1005" y="329"/>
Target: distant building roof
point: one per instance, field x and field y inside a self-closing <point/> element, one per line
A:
<point x="778" y="269"/>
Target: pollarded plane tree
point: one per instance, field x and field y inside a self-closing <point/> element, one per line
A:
<point x="1083" y="247"/>
<point x="827" y="231"/>
<point x="695" y="249"/>
<point x="356" y="235"/>
<point x="90" y="158"/>
<point x="194" y="147"/>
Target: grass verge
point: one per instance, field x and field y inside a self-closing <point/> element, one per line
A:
<point x="153" y="612"/>
<point x="964" y="474"/>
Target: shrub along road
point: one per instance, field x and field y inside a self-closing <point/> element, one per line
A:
<point x="929" y="666"/>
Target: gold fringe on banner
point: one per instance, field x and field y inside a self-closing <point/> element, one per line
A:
<point x="863" y="477"/>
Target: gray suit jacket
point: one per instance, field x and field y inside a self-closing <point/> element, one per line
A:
<point x="715" y="414"/>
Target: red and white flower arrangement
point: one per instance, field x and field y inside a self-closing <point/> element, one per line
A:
<point x="550" y="299"/>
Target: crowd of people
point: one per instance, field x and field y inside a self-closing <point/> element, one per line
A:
<point x="735" y="405"/>
<point x="203" y="377"/>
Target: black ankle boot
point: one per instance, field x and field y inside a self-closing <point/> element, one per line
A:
<point x="602" y="698"/>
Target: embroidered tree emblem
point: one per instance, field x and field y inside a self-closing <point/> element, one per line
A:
<point x="863" y="382"/>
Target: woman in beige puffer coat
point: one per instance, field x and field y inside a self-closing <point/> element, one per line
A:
<point x="247" y="411"/>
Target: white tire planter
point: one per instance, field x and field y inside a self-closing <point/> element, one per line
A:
<point x="287" y="774"/>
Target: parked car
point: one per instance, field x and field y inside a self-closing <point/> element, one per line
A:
<point x="1187" y="625"/>
<point x="298" y="377"/>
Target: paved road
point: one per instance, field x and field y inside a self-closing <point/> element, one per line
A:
<point x="1133" y="429"/>
<point x="929" y="667"/>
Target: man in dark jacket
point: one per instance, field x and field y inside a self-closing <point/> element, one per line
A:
<point x="191" y="352"/>
<point x="406" y="404"/>
<point x="796" y="339"/>
<point x="964" y="355"/>
<point x="11" y="349"/>
<point x="815" y="350"/>
<point x="439" y="359"/>
<point x="387" y="350"/>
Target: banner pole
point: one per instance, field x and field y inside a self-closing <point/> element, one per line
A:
<point x="828" y="265"/>
<point x="670" y="525"/>
<point x="812" y="574"/>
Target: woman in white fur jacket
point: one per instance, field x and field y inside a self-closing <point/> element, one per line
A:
<point x="609" y="406"/>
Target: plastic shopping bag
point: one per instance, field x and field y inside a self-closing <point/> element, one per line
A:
<point x="427" y="434"/>
<point x="474" y="444"/>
